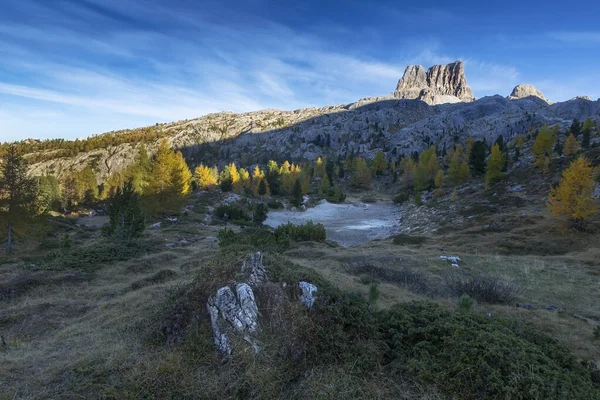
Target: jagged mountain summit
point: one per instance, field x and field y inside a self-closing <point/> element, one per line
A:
<point x="526" y="90"/>
<point x="439" y="84"/>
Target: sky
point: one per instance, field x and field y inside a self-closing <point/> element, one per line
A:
<point x="73" y="68"/>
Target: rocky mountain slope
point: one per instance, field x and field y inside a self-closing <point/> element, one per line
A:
<point x="428" y="107"/>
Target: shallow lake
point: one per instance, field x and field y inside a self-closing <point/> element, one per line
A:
<point x="346" y="224"/>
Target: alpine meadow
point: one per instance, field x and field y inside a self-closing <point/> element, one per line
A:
<point x="436" y="242"/>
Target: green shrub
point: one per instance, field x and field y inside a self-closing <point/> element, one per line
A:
<point x="309" y="232"/>
<point x="257" y="238"/>
<point x="335" y="195"/>
<point x="418" y="200"/>
<point x="65" y="241"/>
<point x="94" y="256"/>
<point x="274" y="204"/>
<point x="466" y="303"/>
<point x="374" y="293"/>
<point x="259" y="213"/>
<point x="403" y="239"/>
<point x="234" y="212"/>
<point x="401" y="197"/>
<point x="471" y="357"/>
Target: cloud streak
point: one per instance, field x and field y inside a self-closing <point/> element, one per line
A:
<point x="113" y="63"/>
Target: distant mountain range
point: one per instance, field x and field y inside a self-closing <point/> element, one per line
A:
<point x="434" y="106"/>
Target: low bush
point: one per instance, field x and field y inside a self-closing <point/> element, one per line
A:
<point x="309" y="231"/>
<point x="401" y="197"/>
<point x="472" y="357"/>
<point x="274" y="204"/>
<point x="92" y="257"/>
<point x="385" y="271"/>
<point x="335" y="195"/>
<point x="404" y="239"/>
<point x="487" y="289"/>
<point x="257" y="238"/>
<point x="234" y="212"/>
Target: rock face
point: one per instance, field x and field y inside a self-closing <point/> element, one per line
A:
<point x="439" y="84"/>
<point x="525" y="90"/>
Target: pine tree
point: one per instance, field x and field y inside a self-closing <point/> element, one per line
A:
<point x="379" y="163"/>
<point x="458" y="172"/>
<point x="573" y="197"/>
<point x="125" y="213"/>
<point x="319" y="168"/>
<point x="297" y="197"/>
<point x="408" y="167"/>
<point x="87" y="186"/>
<point x="588" y="126"/>
<point x="575" y="128"/>
<point x="477" y="158"/>
<point x="18" y="193"/>
<point x="439" y="182"/>
<point x="262" y="188"/>
<point x="571" y="146"/>
<point x="362" y="174"/>
<point x="329" y="170"/>
<point x="542" y="148"/>
<point x="273" y="177"/>
<point x="49" y="198"/>
<point x="325" y="184"/>
<point x="494" y="167"/>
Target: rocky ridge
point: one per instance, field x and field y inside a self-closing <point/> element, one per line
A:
<point x="397" y="126"/>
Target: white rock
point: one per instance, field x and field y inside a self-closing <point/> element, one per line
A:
<point x="308" y="290"/>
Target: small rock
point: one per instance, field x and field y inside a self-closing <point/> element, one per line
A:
<point x="156" y="225"/>
<point x="455" y="265"/>
<point x="552" y="308"/>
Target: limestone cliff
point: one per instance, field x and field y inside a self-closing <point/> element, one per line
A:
<point x="439" y="84"/>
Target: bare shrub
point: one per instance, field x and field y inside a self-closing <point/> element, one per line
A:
<point x="385" y="269"/>
<point x="487" y="289"/>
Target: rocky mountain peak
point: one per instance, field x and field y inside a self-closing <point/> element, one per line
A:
<point x="439" y="84"/>
<point x="526" y="90"/>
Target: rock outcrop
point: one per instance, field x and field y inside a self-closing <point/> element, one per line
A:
<point x="236" y="313"/>
<point x="526" y="90"/>
<point x="439" y="84"/>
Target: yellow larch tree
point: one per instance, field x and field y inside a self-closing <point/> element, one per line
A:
<point x="207" y="178"/>
<point x="571" y="146"/>
<point x="573" y="197"/>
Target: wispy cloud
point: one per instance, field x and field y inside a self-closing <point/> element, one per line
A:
<point x="581" y="37"/>
<point x="89" y="65"/>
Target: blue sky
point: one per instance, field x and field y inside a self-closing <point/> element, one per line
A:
<point x="72" y="68"/>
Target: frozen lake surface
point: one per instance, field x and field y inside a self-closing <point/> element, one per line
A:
<point x="346" y="224"/>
